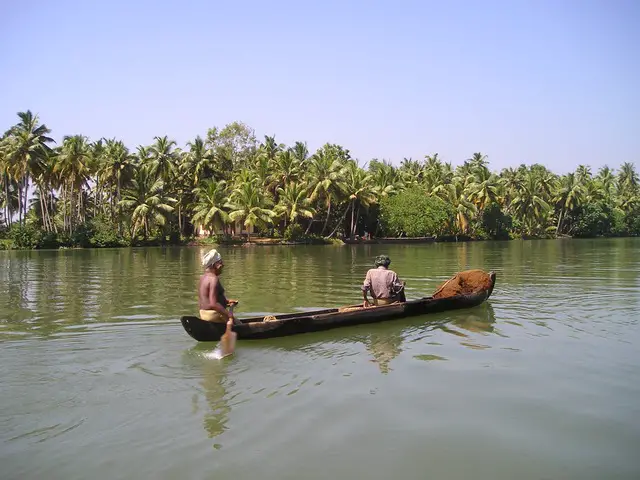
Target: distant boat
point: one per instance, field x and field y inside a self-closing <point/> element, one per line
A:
<point x="388" y="240"/>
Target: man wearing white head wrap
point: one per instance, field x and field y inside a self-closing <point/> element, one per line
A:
<point x="211" y="298"/>
<point x="210" y="258"/>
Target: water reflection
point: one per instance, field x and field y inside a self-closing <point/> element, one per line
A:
<point x="213" y="374"/>
<point x="384" y="348"/>
<point x="385" y="341"/>
<point x="477" y="320"/>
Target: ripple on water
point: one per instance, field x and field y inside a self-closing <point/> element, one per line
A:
<point x="97" y="357"/>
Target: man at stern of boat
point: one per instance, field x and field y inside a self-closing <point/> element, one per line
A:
<point x="211" y="299"/>
<point x="383" y="284"/>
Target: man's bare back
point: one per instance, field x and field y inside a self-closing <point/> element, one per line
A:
<point x="207" y="291"/>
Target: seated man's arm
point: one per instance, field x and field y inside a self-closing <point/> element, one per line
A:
<point x="366" y="286"/>
<point x="213" y="301"/>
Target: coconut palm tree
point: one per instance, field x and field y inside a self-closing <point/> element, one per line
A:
<point x="454" y="194"/>
<point x="249" y="205"/>
<point x="482" y="189"/>
<point x="163" y="158"/>
<point x="293" y="203"/>
<point x="286" y="168"/>
<point x="529" y="206"/>
<point x="385" y="179"/>
<point x="72" y="168"/>
<point x="116" y="170"/>
<point x="628" y="185"/>
<point x="607" y="181"/>
<point x="209" y="209"/>
<point x="411" y="171"/>
<point x="25" y="147"/>
<point x="146" y="201"/>
<point x="324" y="178"/>
<point x="436" y="172"/>
<point x="357" y="186"/>
<point x="300" y="152"/>
<point x="199" y="160"/>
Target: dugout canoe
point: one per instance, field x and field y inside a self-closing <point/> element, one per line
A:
<point x="317" y="320"/>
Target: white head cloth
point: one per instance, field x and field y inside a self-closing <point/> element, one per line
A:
<point x="210" y="258"/>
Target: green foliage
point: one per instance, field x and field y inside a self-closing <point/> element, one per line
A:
<point x="84" y="193"/>
<point x="632" y="222"/>
<point x="592" y="220"/>
<point x="24" y="236"/>
<point x="415" y="214"/>
<point x="104" y="233"/>
<point x="293" y="232"/>
<point x="619" y="225"/>
<point x="495" y="223"/>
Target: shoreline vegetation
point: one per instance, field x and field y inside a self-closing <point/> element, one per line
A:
<point x="230" y="188"/>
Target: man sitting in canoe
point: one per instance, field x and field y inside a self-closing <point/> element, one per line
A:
<point x="211" y="297"/>
<point x="383" y="284"/>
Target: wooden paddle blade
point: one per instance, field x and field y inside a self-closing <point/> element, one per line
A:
<point x="228" y="342"/>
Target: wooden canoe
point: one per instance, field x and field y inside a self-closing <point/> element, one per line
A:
<point x="295" y="323"/>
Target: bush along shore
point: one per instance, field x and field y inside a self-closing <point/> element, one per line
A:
<point x="83" y="192"/>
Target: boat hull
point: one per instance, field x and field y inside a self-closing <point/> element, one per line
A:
<point x="318" y="320"/>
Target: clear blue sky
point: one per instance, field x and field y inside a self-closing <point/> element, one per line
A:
<point x="555" y="82"/>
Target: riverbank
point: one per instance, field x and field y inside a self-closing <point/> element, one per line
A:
<point x="8" y="244"/>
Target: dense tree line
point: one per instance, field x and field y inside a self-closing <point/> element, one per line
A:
<point x="84" y="192"/>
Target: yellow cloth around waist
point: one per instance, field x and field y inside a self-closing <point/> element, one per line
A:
<point x="383" y="301"/>
<point x="212" y="316"/>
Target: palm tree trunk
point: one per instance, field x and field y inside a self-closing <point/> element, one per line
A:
<point x="344" y="215"/>
<point x="46" y="213"/>
<point x="24" y="203"/>
<point x="52" y="209"/>
<point x="97" y="199"/>
<point x="560" y="218"/>
<point x="118" y="198"/>
<point x="20" y="202"/>
<point x="7" y="200"/>
<point x="353" y="211"/>
<point x="63" y="200"/>
<point x="42" y="212"/>
<point x="80" y="206"/>
<point x="71" y="209"/>
<point x="328" y="215"/>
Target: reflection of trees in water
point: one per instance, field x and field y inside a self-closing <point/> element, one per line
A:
<point x="480" y="319"/>
<point x="213" y="380"/>
<point x="213" y="374"/>
<point x="384" y="348"/>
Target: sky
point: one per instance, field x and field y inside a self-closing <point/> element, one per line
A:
<point x="549" y="81"/>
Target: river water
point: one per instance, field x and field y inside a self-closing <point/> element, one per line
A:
<point x="99" y="379"/>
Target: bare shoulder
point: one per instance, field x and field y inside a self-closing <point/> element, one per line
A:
<point x="207" y="280"/>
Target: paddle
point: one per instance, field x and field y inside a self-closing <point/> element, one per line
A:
<point x="228" y="339"/>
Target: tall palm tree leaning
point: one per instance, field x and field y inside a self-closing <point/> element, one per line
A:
<point x="26" y="146"/>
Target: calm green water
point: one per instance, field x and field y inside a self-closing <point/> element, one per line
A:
<point x="99" y="380"/>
